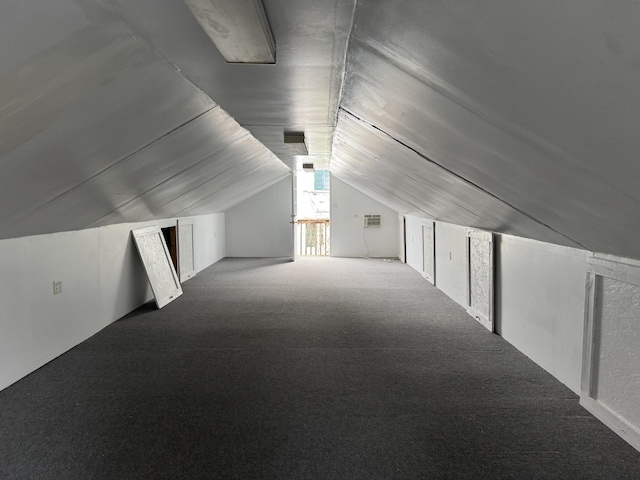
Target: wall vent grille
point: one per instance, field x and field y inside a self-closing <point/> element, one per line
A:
<point x="371" y="221"/>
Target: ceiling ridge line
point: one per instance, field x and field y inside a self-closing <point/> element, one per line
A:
<point x="343" y="77"/>
<point x="354" y="18"/>
<point x="475" y="185"/>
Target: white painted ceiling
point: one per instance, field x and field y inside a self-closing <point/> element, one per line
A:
<point x="517" y="117"/>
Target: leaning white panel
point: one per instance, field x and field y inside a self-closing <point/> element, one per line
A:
<point x="186" y="259"/>
<point x="480" y="277"/>
<point x="611" y="360"/>
<point x="157" y="262"/>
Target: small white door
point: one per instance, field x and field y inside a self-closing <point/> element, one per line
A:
<point x="157" y="262"/>
<point x="480" y="277"/>
<point x="186" y="257"/>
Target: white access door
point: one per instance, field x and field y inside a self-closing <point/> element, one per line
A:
<point x="429" y="252"/>
<point x="186" y="257"/>
<point x="480" y="276"/>
<point x="157" y="262"/>
<point x="294" y="213"/>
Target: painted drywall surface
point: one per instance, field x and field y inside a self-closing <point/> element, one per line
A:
<point x="102" y="280"/>
<point x="36" y="325"/>
<point x="540" y="303"/>
<point x="123" y="279"/>
<point x="260" y="226"/>
<point x="539" y="293"/>
<point x="209" y="239"/>
<point x="451" y="255"/>
<point x="348" y="236"/>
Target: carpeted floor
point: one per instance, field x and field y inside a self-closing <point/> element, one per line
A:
<point x="319" y="369"/>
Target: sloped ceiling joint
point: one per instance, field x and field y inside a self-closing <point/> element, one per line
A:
<point x="210" y="156"/>
<point x="203" y="205"/>
<point x="456" y="175"/>
<point x="387" y="199"/>
<point x="115" y="164"/>
<point x="402" y="62"/>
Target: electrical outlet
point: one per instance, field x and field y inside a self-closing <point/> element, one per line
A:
<point x="57" y="287"/>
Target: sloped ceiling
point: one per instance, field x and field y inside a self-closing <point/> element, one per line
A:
<point x="299" y="93"/>
<point x="517" y="117"/>
<point x="107" y="110"/>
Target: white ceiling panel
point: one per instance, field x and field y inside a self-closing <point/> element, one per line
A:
<point x="79" y="107"/>
<point x="172" y="157"/>
<point x="565" y="73"/>
<point x="371" y="161"/>
<point x="461" y="84"/>
<point x="211" y="184"/>
<point x="515" y="116"/>
<point x="300" y="92"/>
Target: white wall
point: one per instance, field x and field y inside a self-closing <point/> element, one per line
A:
<point x="209" y="240"/>
<point x="540" y="298"/>
<point x="451" y="255"/>
<point x="102" y="280"/>
<point x="260" y="226"/>
<point x="539" y="293"/>
<point x="348" y="237"/>
<point x="413" y="242"/>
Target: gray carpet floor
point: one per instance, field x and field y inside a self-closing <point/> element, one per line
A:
<point x="318" y="369"/>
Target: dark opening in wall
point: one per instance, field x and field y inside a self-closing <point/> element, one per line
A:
<point x="169" y="234"/>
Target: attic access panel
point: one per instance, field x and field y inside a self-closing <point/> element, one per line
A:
<point x="157" y="263"/>
<point x="610" y="383"/>
<point x="186" y="258"/>
<point x="480" y="277"/>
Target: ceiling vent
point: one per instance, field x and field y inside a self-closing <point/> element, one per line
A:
<point x="296" y="142"/>
<point x="371" y="221"/>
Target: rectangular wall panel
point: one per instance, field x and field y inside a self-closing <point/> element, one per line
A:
<point x="480" y="277"/>
<point x="611" y="362"/>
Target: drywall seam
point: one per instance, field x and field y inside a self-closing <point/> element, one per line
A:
<point x="451" y="172"/>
